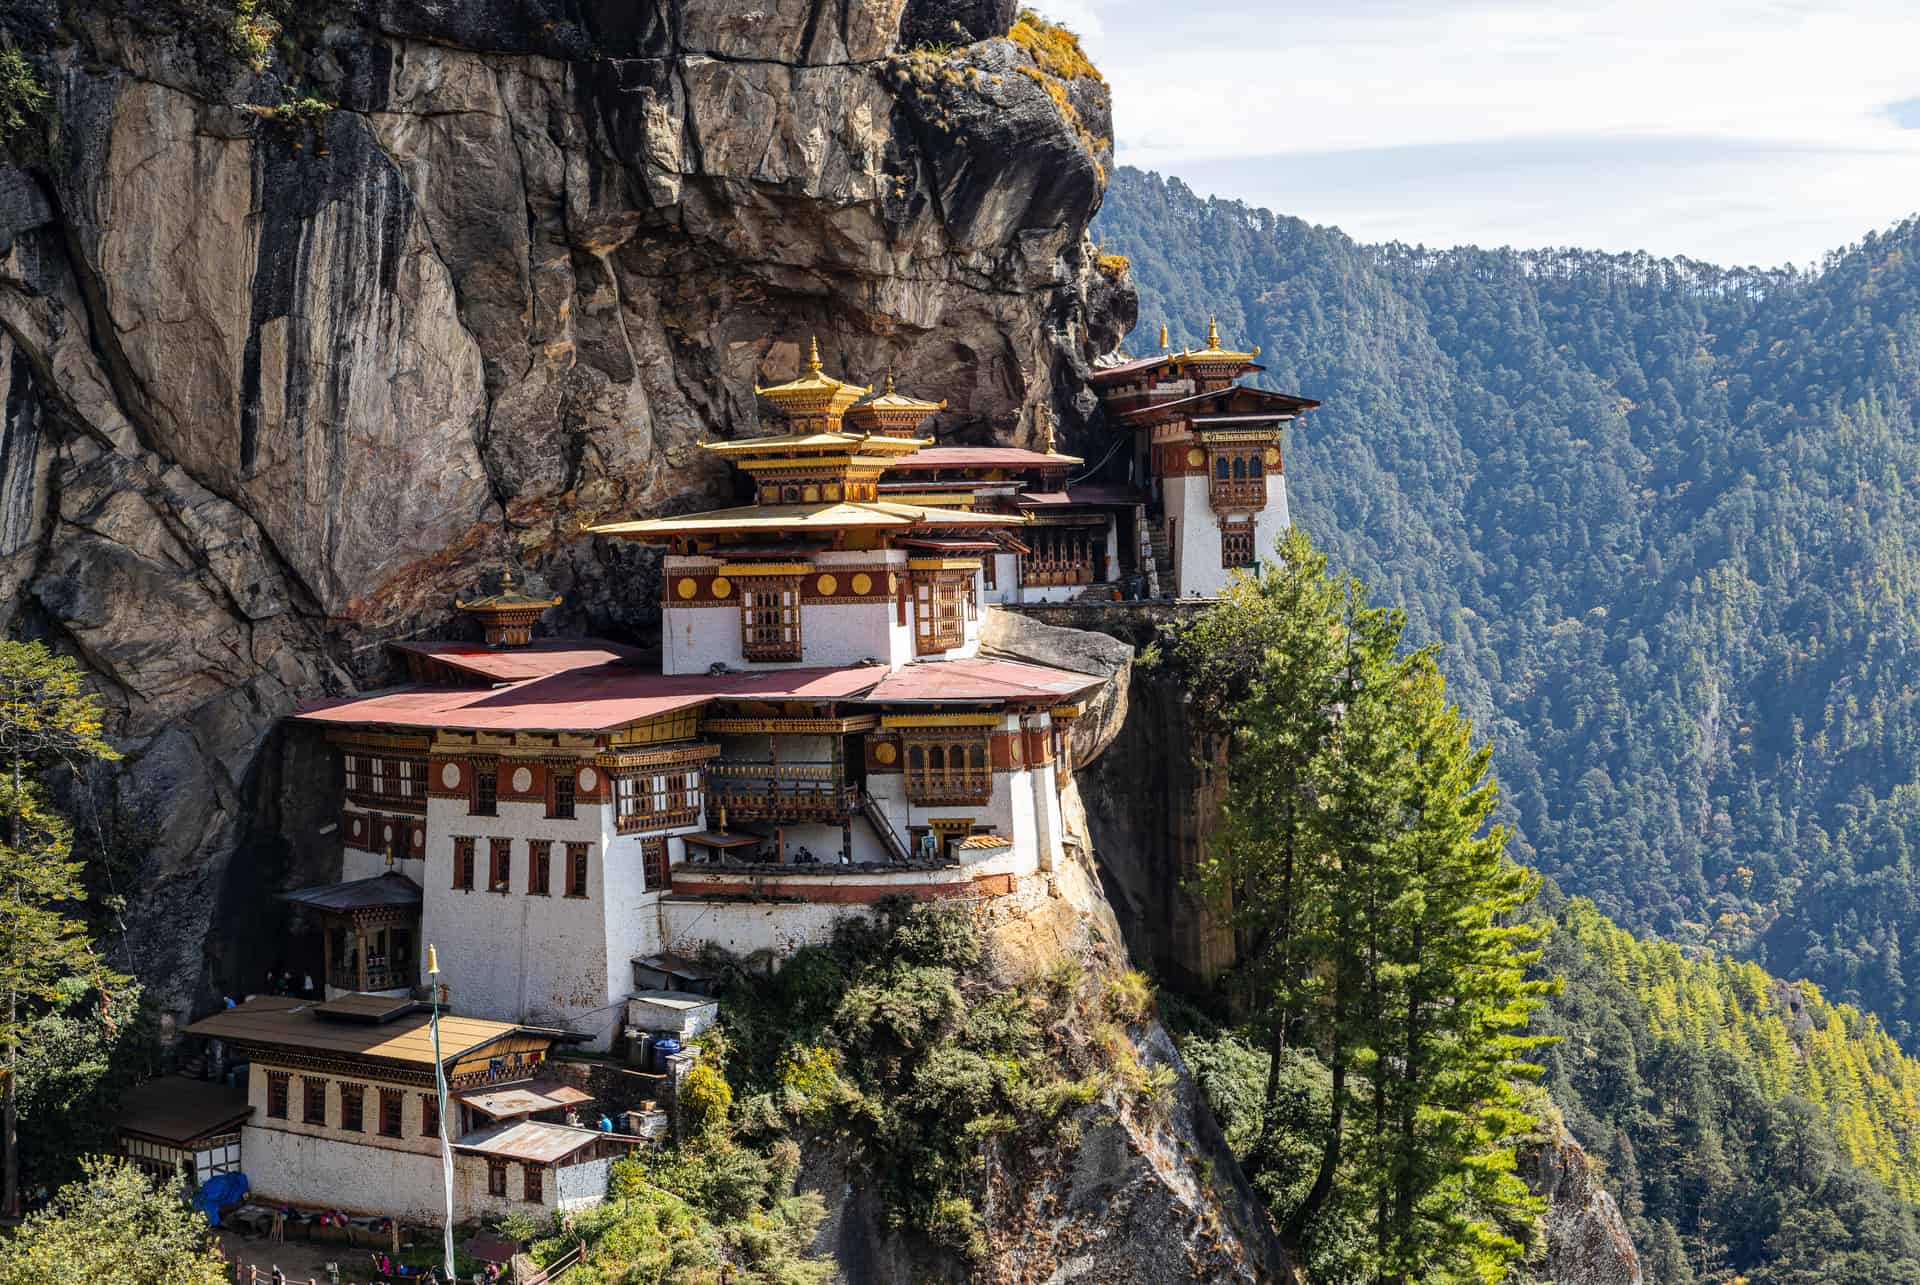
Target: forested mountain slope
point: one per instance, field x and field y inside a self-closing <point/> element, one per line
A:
<point x="1665" y="518"/>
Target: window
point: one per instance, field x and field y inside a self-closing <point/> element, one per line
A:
<point x="560" y="792"/>
<point x="430" y="1115"/>
<point x="352" y="1117"/>
<point x="656" y="800"/>
<point x="277" y="1094"/>
<point x="653" y="863"/>
<point x="1222" y="471"/>
<point x="1239" y="481"/>
<point x="532" y="1189"/>
<point x="939" y="614"/>
<point x="987" y="570"/>
<point x="770" y="619"/>
<point x="1236" y="545"/>
<point x="499" y="865"/>
<point x="576" y="869"/>
<point x="496" y="1177"/>
<point x="1058" y="555"/>
<point x="949" y="770"/>
<point x="539" y="866"/>
<point x="391" y="1101"/>
<point x="463" y="863"/>
<point x="391" y="780"/>
<point x="314" y="1106"/>
<point x="485" y="799"/>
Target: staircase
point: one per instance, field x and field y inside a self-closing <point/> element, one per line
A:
<point x="896" y="846"/>
<point x="1162" y="559"/>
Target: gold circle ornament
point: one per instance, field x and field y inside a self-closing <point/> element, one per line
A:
<point x="884" y="752"/>
<point x="722" y="586"/>
<point x="862" y="582"/>
<point x="893" y="583"/>
<point x="811" y="495"/>
<point x="1196" y="457"/>
<point x="826" y="585"/>
<point x="687" y="587"/>
<point x="1273" y="457"/>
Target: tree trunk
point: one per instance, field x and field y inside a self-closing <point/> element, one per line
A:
<point x="1296" y="1224"/>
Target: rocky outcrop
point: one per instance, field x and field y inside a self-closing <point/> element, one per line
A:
<point x="288" y="356"/>
<point x="1585" y="1239"/>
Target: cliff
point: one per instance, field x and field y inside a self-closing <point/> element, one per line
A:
<point x="299" y="334"/>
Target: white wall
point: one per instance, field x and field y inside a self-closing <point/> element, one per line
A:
<point x="743" y="927"/>
<point x="695" y="638"/>
<point x="302" y="1169"/>
<point x="1197" y="538"/>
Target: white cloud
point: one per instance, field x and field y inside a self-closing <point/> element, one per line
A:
<point x="1808" y="83"/>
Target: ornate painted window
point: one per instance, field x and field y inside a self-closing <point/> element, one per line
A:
<point x="770" y="618"/>
<point x="939" y="612"/>
<point x="656" y="800"/>
<point x="653" y="863"/>
<point x="484" y="800"/>
<point x="313" y="1092"/>
<point x="1239" y="480"/>
<point x="1236" y="544"/>
<point x="390" y="780"/>
<point x="577" y="869"/>
<point x="499" y="865"/>
<point x="560" y="792"/>
<point x="539" y="867"/>
<point x="1061" y="555"/>
<point x="949" y="769"/>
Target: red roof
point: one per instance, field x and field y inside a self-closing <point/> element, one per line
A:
<point x="980" y="680"/>
<point x="516" y="664"/>
<point x="585" y="700"/>
<point x="1013" y="457"/>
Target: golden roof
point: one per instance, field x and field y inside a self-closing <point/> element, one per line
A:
<point x="890" y="400"/>
<point x="833" y="443"/>
<point x="814" y="393"/>
<point x="507" y="600"/>
<point x="827" y="516"/>
<point x="1213" y="351"/>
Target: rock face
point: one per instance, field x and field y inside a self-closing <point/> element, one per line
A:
<point x="278" y="377"/>
<point x="1586" y="1239"/>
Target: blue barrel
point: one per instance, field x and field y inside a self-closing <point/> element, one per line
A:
<point x="662" y="1050"/>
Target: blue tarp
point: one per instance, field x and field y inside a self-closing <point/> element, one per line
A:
<point x="219" y="1191"/>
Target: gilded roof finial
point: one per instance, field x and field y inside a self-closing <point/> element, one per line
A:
<point x="1163" y="336"/>
<point x="1046" y="430"/>
<point x="889" y="379"/>
<point x="813" y="358"/>
<point x="506" y="578"/>
<point x="1213" y="333"/>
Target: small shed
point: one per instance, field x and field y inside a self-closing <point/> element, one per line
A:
<point x="677" y="1013"/>
<point x="176" y="1122"/>
<point x="671" y="972"/>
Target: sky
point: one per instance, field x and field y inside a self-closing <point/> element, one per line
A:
<point x="1765" y="132"/>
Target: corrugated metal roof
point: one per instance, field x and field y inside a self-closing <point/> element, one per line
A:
<point x="377" y="892"/>
<point x="174" y="1108"/>
<point x="528" y="1140"/>
<point x="585" y="700"/>
<point x="295" y="1024"/>
<point x="523" y="1099"/>
<point x="517" y="664"/>
<point x="1015" y="457"/>
<point x="980" y="680"/>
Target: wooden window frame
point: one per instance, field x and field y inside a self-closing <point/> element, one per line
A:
<point x="770" y="618"/>
<point x="429" y="1115"/>
<point x="532" y="1189"/>
<point x="562" y="796"/>
<point x="930" y="776"/>
<point x="939" y="614"/>
<point x="496" y="1178"/>
<point x="279" y="1095"/>
<point x="499" y="865"/>
<point x="1237" y="545"/>
<point x="539" y="867"/>
<point x="483" y="792"/>
<point x="465" y="849"/>
<point x="353" y="1108"/>
<point x="653" y="865"/>
<point x="393" y="1114"/>
<point x="313" y="1100"/>
<point x="387" y="780"/>
<point x="657" y="800"/>
<point x="577" y="856"/>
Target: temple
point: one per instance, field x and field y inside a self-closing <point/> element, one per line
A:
<point x="571" y="825"/>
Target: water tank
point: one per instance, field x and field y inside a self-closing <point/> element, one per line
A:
<point x="639" y="1048"/>
<point x="664" y="1048"/>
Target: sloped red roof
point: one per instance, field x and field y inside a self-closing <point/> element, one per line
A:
<point x="981" y="680"/>
<point x="595" y="699"/>
<point x="1014" y="457"/>
<point x="516" y="664"/>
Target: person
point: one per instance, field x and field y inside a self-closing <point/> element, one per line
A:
<point x="306" y="985"/>
<point x="229" y="1001"/>
<point x="606" y="1125"/>
<point x="573" y="1117"/>
<point x="279" y="1277"/>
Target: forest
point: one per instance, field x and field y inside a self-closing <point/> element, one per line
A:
<point x="1663" y="519"/>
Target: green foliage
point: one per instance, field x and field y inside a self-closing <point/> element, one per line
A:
<point x="1665" y="518"/>
<point x="22" y="96"/>
<point x="84" y="1052"/>
<point x="1378" y="911"/>
<point x="252" y="32"/>
<point x="114" y="1224"/>
<point x="520" y="1227"/>
<point x="706" y="1097"/>
<point x="1130" y="996"/>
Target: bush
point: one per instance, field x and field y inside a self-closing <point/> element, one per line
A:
<point x="954" y="1224"/>
<point x="114" y="1224"/>
<point x="1130" y="997"/>
<point x="252" y="33"/>
<point x="1113" y="266"/>
<point x="706" y="1098"/>
<point x="1054" y="49"/>
<point x="22" y="96"/>
<point x="519" y="1227"/>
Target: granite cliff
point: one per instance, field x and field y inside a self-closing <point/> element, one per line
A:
<point x="298" y="335"/>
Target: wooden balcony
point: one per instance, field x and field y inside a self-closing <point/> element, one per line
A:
<point x="781" y="791"/>
<point x="1249" y="493"/>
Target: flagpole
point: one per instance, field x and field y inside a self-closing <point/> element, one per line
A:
<point x="440" y="1084"/>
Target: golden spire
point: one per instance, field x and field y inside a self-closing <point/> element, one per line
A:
<point x="813" y="357"/>
<point x="1163" y="336"/>
<point x="889" y="379"/>
<point x="1046" y="431"/>
<point x="1213" y="334"/>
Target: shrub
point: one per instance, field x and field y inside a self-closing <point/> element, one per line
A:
<point x="1054" y="48"/>
<point x="252" y="33"/>
<point x="1130" y="997"/>
<point x="706" y="1097"/>
<point x="22" y="96"/>
<point x="519" y="1227"/>
<point x="954" y="1224"/>
<point x="1113" y="266"/>
<point x="813" y="1088"/>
